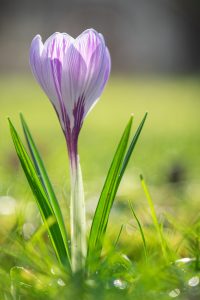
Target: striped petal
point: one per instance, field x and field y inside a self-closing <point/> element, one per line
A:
<point x="73" y="79"/>
<point x="87" y="42"/>
<point x="35" y="59"/>
<point x="73" y="73"/>
<point x="98" y="73"/>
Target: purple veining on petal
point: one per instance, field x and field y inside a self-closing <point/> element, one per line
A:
<point x="99" y="67"/>
<point x="56" y="69"/>
<point x="87" y="42"/>
<point x="64" y="45"/>
<point x="73" y="133"/>
<point x="73" y="79"/>
<point x="78" y="113"/>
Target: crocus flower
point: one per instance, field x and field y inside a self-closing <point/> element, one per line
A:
<point x="73" y="73"/>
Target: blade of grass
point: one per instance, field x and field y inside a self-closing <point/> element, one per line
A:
<point x="157" y="226"/>
<point x="41" y="199"/>
<point x="140" y="229"/>
<point x="118" y="236"/>
<point x="113" y="179"/>
<point x="35" y="246"/>
<point x="43" y="176"/>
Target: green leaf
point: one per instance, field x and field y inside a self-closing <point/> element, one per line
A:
<point x="131" y="147"/>
<point x="113" y="179"/>
<point x="43" y="176"/>
<point x="42" y="200"/>
<point x="101" y="216"/>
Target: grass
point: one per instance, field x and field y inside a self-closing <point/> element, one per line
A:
<point x="167" y="155"/>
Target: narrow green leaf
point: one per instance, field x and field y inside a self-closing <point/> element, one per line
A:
<point x="140" y="229"/>
<point x="43" y="176"/>
<point x="102" y="212"/>
<point x="41" y="198"/>
<point x="132" y="146"/>
<point x="163" y="242"/>
<point x="113" y="179"/>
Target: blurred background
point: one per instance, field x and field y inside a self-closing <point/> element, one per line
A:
<point x="143" y="36"/>
<point x="155" y="51"/>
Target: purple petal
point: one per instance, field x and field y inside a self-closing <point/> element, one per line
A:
<point x="40" y="67"/>
<point x="35" y="58"/>
<point x="54" y="51"/>
<point x="86" y="70"/>
<point x="57" y="45"/>
<point x="73" y="79"/>
<point x="46" y="62"/>
<point x="97" y="75"/>
<point x="87" y="42"/>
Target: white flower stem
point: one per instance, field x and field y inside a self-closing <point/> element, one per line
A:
<point x="77" y="218"/>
